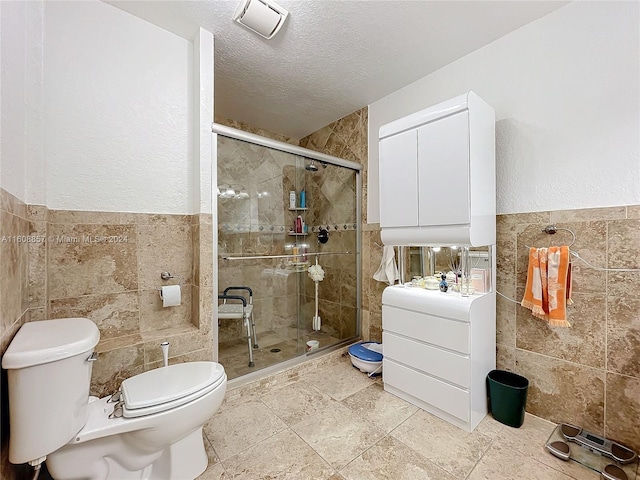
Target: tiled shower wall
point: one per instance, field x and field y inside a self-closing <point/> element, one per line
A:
<point x="588" y="375"/>
<point x="347" y="138"/>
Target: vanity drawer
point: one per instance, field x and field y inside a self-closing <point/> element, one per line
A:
<point x="449" y="366"/>
<point x="450" y="399"/>
<point x="435" y="330"/>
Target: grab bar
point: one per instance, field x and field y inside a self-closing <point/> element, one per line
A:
<point x="307" y="254"/>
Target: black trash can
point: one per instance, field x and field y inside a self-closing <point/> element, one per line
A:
<point x="507" y="397"/>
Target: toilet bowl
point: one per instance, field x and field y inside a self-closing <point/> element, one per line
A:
<point x="152" y="428"/>
<point x="161" y="439"/>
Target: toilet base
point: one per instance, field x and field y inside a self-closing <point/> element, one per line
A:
<point x="184" y="459"/>
<point x="193" y="459"/>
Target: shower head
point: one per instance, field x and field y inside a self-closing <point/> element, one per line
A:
<point x="312" y="167"/>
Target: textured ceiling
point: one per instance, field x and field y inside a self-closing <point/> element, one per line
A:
<point x="333" y="57"/>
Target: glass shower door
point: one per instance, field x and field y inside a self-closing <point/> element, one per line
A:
<point x="266" y="243"/>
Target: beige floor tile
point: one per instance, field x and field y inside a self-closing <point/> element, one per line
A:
<point x="530" y="440"/>
<point x="390" y="459"/>
<point x="238" y="425"/>
<point x="282" y="456"/>
<point x="384" y="410"/>
<point x="447" y="446"/>
<point x="339" y="380"/>
<point x="211" y="453"/>
<point x="338" y="434"/>
<point x="490" y="427"/>
<point x="296" y="402"/>
<point x="502" y="463"/>
<point x="214" y="472"/>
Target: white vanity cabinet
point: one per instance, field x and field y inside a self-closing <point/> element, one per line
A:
<point x="438" y="349"/>
<point x="437" y="175"/>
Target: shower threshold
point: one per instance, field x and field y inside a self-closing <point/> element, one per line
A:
<point x="287" y="364"/>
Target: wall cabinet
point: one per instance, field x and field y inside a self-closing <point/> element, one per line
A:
<point x="437" y="175"/>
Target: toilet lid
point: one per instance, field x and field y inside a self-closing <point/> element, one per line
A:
<point x="165" y="385"/>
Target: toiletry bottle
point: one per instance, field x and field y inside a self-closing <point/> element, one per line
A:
<point x="303" y="199"/>
<point x="444" y="286"/>
<point x="299" y="224"/>
<point x="292" y="199"/>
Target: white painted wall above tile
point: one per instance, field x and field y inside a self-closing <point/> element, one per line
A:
<point x="567" y="99"/>
<point x="12" y="85"/>
<point x="118" y="112"/>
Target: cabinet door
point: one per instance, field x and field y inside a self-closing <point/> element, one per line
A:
<point x="443" y="171"/>
<point x="398" y="180"/>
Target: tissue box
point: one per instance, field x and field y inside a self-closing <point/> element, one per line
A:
<point x="480" y="279"/>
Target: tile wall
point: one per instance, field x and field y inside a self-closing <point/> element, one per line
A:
<point x="347" y="138"/>
<point x="14" y="298"/>
<point x="106" y="266"/>
<point x="258" y="131"/>
<point x="588" y="375"/>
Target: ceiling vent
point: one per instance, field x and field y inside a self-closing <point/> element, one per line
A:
<point x="263" y="17"/>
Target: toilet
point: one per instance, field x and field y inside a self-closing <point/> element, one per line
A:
<point x="150" y="429"/>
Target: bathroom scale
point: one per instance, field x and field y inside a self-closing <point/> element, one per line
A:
<point x="611" y="459"/>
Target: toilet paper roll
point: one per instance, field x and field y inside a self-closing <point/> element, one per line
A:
<point x="170" y="295"/>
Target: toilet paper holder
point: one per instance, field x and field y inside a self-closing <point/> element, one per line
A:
<point x="168" y="276"/>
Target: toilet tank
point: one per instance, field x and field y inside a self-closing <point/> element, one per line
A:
<point x="49" y="373"/>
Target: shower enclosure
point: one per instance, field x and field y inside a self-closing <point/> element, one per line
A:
<point x="267" y="240"/>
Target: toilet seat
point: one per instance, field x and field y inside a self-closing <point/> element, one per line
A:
<point x="169" y="387"/>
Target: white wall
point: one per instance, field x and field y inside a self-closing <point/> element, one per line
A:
<point x="12" y="92"/>
<point x="118" y="112"/>
<point x="566" y="93"/>
<point x="203" y="117"/>
<point x="36" y="172"/>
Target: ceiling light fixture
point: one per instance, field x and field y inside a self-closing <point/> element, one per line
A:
<point x="263" y="17"/>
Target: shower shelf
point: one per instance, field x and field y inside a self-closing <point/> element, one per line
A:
<point x="298" y="209"/>
<point x="294" y="234"/>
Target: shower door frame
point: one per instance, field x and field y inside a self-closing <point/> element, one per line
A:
<point x="229" y="132"/>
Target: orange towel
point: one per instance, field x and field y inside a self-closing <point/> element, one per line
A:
<point x="548" y="289"/>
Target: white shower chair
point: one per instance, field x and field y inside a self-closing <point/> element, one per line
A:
<point x="243" y="311"/>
